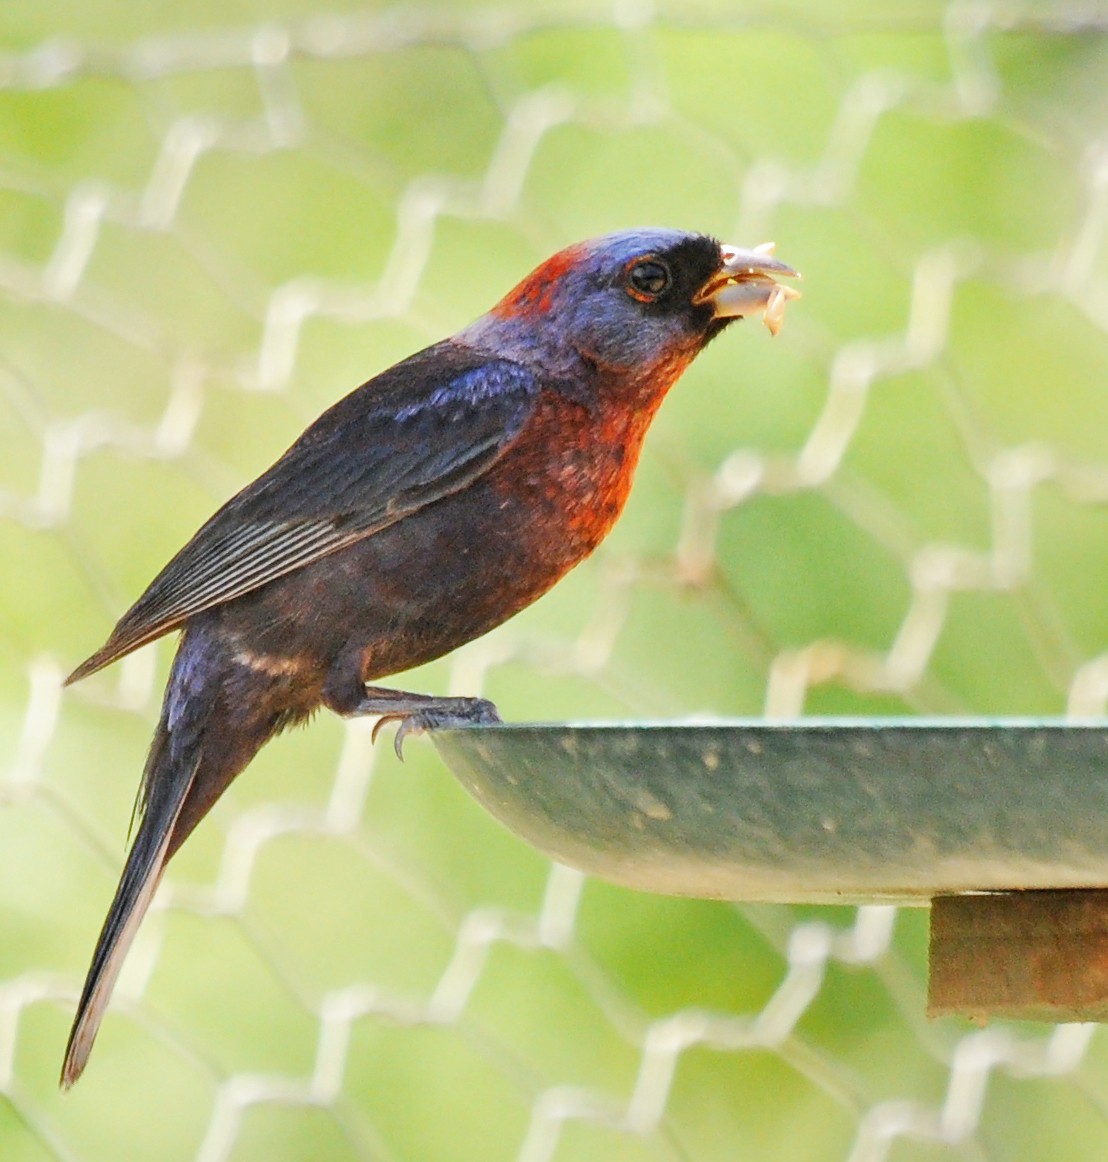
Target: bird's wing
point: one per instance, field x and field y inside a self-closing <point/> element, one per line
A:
<point x="418" y="432"/>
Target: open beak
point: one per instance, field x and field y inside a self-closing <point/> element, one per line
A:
<point x="747" y="283"/>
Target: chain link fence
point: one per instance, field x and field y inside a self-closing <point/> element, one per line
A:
<point x="217" y="218"/>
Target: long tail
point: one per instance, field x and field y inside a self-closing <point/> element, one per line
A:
<point x="165" y="794"/>
<point x="192" y="759"/>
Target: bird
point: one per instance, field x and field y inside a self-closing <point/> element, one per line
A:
<point x="417" y="513"/>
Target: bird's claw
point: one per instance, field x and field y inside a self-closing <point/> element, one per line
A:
<point x="409" y="724"/>
<point x="437" y="716"/>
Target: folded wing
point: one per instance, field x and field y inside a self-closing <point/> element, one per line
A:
<point x="418" y="432"/>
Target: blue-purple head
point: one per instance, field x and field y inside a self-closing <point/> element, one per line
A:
<point x="632" y="301"/>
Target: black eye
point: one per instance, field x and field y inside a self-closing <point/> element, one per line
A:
<point x="649" y="279"/>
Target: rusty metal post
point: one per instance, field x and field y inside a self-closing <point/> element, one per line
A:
<point x="1031" y="955"/>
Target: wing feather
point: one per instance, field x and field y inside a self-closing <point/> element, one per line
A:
<point x="418" y="432"/>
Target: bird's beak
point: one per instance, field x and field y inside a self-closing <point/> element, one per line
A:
<point x="747" y="283"/>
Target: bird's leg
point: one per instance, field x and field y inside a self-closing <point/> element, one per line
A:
<point x="419" y="712"/>
<point x="346" y="693"/>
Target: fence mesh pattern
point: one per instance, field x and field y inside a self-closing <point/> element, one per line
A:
<point x="217" y="218"/>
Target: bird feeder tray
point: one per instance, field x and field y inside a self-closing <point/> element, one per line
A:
<point x="910" y="811"/>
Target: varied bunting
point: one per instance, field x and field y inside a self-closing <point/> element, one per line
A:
<point x="429" y="505"/>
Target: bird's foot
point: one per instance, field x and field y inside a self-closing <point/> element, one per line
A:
<point x="416" y="713"/>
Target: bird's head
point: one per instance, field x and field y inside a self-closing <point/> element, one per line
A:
<point x="633" y="302"/>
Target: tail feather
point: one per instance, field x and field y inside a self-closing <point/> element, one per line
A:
<point x="146" y="862"/>
<point x="176" y="755"/>
<point x="214" y="719"/>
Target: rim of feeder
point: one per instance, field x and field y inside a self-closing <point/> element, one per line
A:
<point x="814" y="810"/>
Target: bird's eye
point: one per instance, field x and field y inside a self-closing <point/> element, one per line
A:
<point x="648" y="280"/>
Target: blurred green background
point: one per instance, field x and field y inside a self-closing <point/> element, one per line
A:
<point x="215" y="219"/>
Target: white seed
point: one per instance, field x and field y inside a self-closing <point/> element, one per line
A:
<point x="775" y="309"/>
